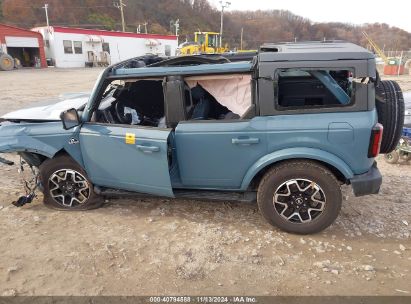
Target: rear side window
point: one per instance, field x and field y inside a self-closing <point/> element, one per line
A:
<point x="313" y="88"/>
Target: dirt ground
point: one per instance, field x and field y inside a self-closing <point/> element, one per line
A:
<point x="180" y="247"/>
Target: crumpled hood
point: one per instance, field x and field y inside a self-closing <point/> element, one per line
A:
<point x="51" y="109"/>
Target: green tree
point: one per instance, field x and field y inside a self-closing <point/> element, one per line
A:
<point x="1" y="10"/>
<point x="259" y="26"/>
<point x="103" y="20"/>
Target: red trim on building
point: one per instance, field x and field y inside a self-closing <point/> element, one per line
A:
<point x="70" y="30"/>
<point x="8" y="30"/>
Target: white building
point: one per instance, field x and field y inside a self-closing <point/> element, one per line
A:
<point x="76" y="47"/>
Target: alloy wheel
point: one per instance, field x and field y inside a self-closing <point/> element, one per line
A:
<point x="299" y="200"/>
<point x="69" y="188"/>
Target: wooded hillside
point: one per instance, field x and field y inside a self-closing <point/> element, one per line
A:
<point x="259" y="26"/>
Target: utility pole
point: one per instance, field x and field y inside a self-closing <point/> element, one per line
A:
<point x="120" y="5"/>
<point x="46" y="6"/>
<point x="145" y="26"/>
<point x="224" y="4"/>
<point x="241" y="43"/>
<point x="177" y="26"/>
<point x="399" y="64"/>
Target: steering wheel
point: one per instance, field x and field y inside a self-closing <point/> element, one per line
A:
<point x="122" y="118"/>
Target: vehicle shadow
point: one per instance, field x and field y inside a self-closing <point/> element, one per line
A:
<point x="191" y="210"/>
<point x="380" y="215"/>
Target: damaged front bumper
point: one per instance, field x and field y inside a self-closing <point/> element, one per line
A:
<point x="30" y="183"/>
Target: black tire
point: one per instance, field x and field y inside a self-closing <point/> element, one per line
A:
<point x="392" y="158"/>
<point x="390" y="107"/>
<point x="405" y="156"/>
<point x="320" y="177"/>
<point x="73" y="195"/>
<point x="6" y="62"/>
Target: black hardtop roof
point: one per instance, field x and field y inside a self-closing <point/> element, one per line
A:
<point x="313" y="50"/>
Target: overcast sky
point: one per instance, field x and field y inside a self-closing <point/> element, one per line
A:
<point x="349" y="11"/>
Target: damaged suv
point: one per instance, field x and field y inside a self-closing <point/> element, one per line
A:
<point x="286" y="129"/>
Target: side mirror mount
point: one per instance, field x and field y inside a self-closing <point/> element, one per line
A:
<point x="70" y="119"/>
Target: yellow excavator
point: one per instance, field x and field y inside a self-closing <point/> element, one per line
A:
<point x="204" y="43"/>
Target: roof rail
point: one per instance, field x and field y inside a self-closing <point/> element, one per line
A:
<point x="276" y="46"/>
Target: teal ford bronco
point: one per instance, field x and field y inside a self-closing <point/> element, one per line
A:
<point x="285" y="128"/>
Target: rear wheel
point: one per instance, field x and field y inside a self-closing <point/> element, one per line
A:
<point x="390" y="108"/>
<point x="6" y="62"/>
<point x="300" y="197"/>
<point x="66" y="185"/>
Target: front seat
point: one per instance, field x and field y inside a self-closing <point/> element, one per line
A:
<point x="178" y="101"/>
<point x="202" y="103"/>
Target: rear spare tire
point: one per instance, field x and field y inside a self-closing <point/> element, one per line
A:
<point x="390" y="108"/>
<point x="6" y="62"/>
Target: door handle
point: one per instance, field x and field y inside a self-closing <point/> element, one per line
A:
<point x="148" y="149"/>
<point x="245" y="141"/>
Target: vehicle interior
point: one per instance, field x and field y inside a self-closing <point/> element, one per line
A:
<point x="164" y="102"/>
<point x="305" y="88"/>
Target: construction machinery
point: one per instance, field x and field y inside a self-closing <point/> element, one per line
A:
<point x="204" y="43"/>
<point x="392" y="65"/>
<point x="376" y="48"/>
<point x="6" y="62"/>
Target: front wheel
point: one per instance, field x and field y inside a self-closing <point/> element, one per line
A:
<point x="301" y="197"/>
<point x="66" y="185"/>
<point x="6" y="62"/>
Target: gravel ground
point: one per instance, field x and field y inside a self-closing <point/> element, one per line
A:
<point x="180" y="247"/>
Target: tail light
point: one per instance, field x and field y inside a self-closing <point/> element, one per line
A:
<point x="375" y="141"/>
